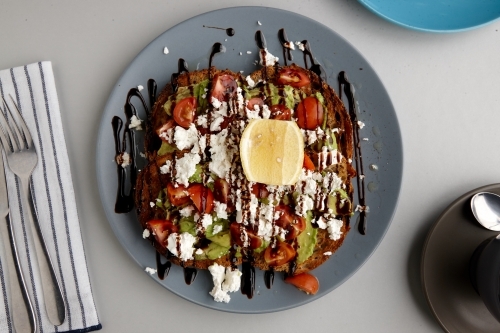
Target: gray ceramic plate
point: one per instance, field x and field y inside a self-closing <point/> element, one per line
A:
<point x="445" y="269"/>
<point x="192" y="41"/>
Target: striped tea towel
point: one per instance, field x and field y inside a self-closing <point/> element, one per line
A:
<point x="33" y="88"/>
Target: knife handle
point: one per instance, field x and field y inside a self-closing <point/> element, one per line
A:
<point x="21" y="308"/>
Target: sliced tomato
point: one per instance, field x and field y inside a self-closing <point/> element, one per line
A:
<point x="293" y="77"/>
<point x="253" y="102"/>
<point x="221" y="190"/>
<point x="306" y="282"/>
<point x="237" y="229"/>
<point x="309" y="113"/>
<point x="177" y="196"/>
<point x="260" y="190"/>
<point x="202" y="197"/>
<point x="280" y="112"/>
<point x="280" y="254"/>
<point x="289" y="221"/>
<point x="223" y="87"/>
<point x="184" y="111"/>
<point x="161" y="229"/>
<point x="164" y="128"/>
<point x="308" y="163"/>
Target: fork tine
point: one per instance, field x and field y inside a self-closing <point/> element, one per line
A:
<point x="3" y="139"/>
<point x="7" y="136"/>
<point x="13" y="129"/>
<point x="26" y="131"/>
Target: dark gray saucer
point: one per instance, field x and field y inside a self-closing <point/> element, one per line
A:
<point x="445" y="268"/>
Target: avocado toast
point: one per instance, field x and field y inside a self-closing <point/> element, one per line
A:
<point x="193" y="199"/>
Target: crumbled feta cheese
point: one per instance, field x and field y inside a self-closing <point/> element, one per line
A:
<point x="328" y="253"/>
<point x="225" y="280"/>
<point x="258" y="22"/>
<point x="304" y="203"/>
<point x="221" y="154"/>
<point x="249" y="52"/>
<point x="333" y="227"/>
<point x="146" y="233"/>
<point x="266" y="113"/>
<point x="250" y="81"/>
<point x="185" y="138"/>
<point x="267" y="59"/>
<point x="220" y="209"/>
<point x="215" y="102"/>
<point x="366" y="139"/>
<point x="202" y="120"/>
<point x="140" y="87"/>
<point x="290" y="45"/>
<point x="373" y="167"/>
<point x="232" y="280"/>
<point x="218" y="275"/>
<point x="300" y="45"/>
<point x="361" y="124"/>
<point x="165" y="50"/>
<point x="166" y="168"/>
<point x="206" y="220"/>
<point x="152" y="204"/>
<point x="186" y="167"/>
<point x="187" y="211"/>
<point x="186" y="242"/>
<point x="198" y="252"/>
<point x="321" y="222"/>
<point x="150" y="270"/>
<point x="362" y="208"/>
<point x="217" y="228"/>
<point x="241" y="53"/>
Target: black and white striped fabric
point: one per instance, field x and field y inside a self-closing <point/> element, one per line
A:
<point x="33" y="87"/>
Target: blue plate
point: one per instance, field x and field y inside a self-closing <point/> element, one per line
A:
<point x="436" y="15"/>
<point x="382" y="147"/>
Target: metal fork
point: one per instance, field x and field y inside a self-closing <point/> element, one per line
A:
<point x="21" y="308"/>
<point x="22" y="159"/>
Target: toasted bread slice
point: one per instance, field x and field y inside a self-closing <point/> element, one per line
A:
<point x="151" y="182"/>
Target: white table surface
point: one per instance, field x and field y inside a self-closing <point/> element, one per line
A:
<point x="446" y="92"/>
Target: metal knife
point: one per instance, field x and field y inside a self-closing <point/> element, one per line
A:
<point x="21" y="308"/>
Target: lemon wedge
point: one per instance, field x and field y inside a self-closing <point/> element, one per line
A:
<point x="272" y="151"/>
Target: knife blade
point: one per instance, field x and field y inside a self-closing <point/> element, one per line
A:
<point x="20" y="306"/>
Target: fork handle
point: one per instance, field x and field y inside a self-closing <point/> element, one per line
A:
<point x="21" y="308"/>
<point x="54" y="302"/>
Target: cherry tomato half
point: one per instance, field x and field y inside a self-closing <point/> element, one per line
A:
<point x="306" y="282"/>
<point x="223" y="87"/>
<point x="202" y="197"/>
<point x="280" y="112"/>
<point x="184" y="111"/>
<point x="293" y="77"/>
<point x="280" y="254"/>
<point x="309" y="113"/>
<point x="308" y="163"/>
<point x="161" y="229"/>
<point x="177" y="196"/>
<point x="237" y="229"/>
<point x="253" y="102"/>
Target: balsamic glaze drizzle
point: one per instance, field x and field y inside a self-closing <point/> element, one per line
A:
<point x="125" y="202"/>
<point x="285" y="44"/>
<point x="315" y="67"/>
<point x="162" y="269"/>
<point x="269" y="278"/>
<point x="348" y="90"/>
<point x="229" y="31"/>
<point x="216" y="48"/>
